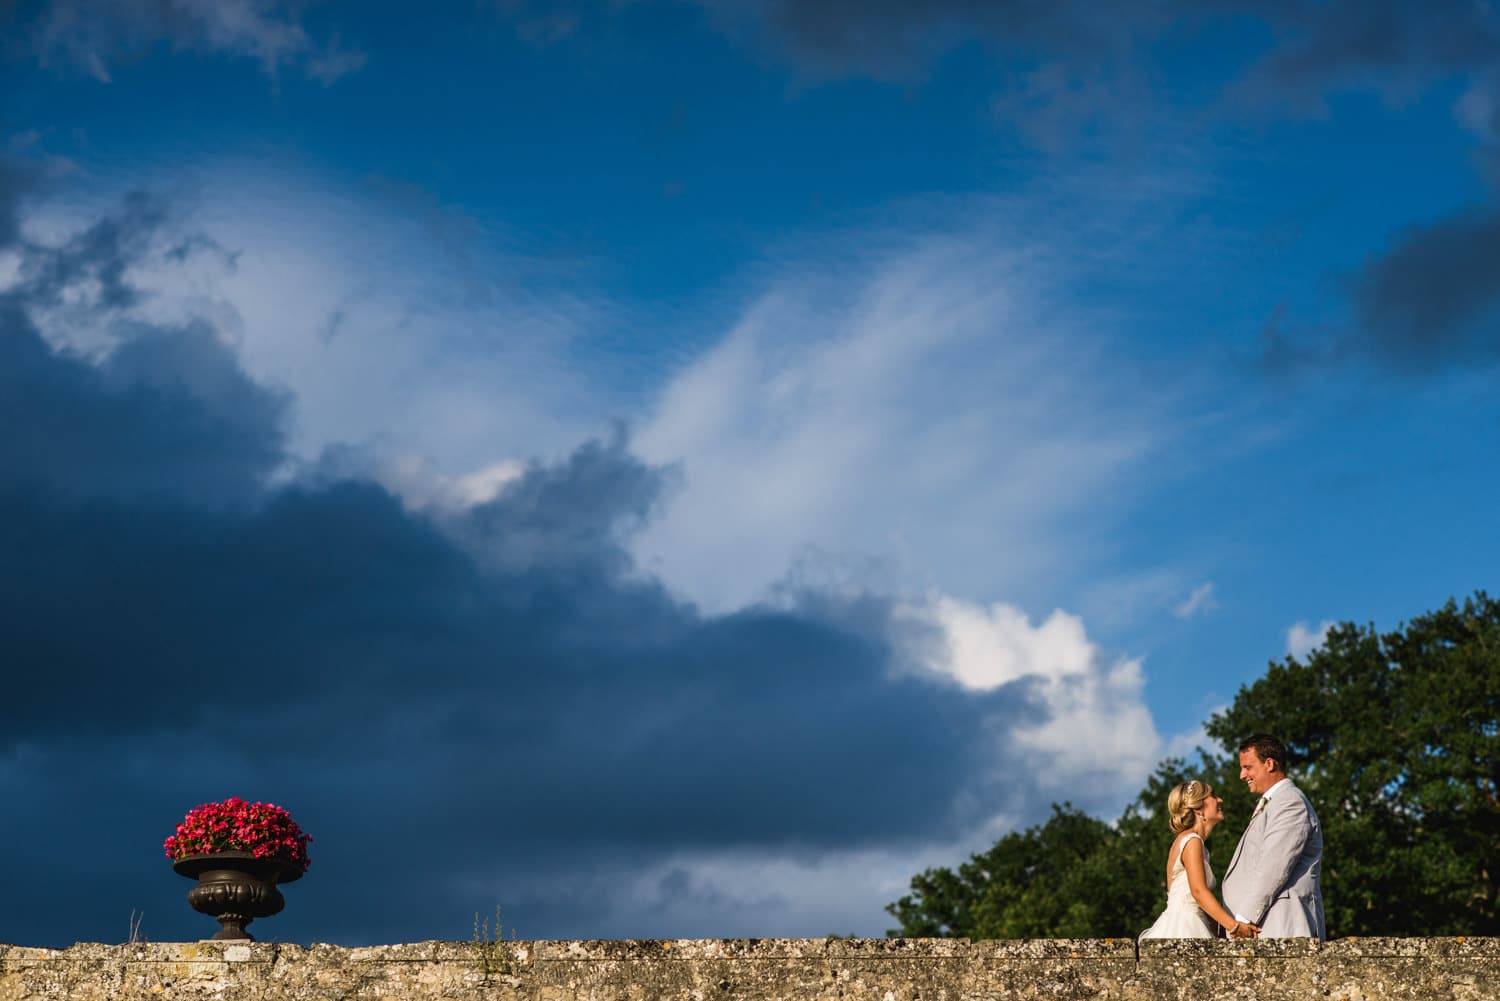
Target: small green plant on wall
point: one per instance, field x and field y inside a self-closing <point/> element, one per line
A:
<point x="492" y="955"/>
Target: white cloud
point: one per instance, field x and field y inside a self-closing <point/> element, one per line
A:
<point x="412" y="478"/>
<point x="927" y="407"/>
<point x="1302" y="640"/>
<point x="391" y="338"/>
<point x="1094" y="738"/>
<point x="10" y="269"/>
<point x="987" y="647"/>
<point x="385" y="341"/>
<point x="1197" y="603"/>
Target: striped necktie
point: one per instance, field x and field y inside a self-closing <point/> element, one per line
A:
<point x="1260" y="805"/>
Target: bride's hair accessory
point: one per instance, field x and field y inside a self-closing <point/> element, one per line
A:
<point x="1183" y="800"/>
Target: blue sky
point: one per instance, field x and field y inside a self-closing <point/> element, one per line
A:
<point x="678" y="469"/>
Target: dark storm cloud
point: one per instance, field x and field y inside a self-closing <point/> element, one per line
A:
<point x="1312" y="45"/>
<point x="374" y="621"/>
<point x="1377" y="43"/>
<point x="168" y="414"/>
<point x="574" y="515"/>
<point x="559" y="708"/>
<point x="497" y="698"/>
<point x="1434" y="298"/>
<point x="882" y="37"/>
<point x="1079" y="75"/>
<point x="100" y="255"/>
<point x="134" y="426"/>
<point x="1429" y="303"/>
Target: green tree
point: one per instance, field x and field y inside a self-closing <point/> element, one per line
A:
<point x="1396" y="740"/>
<point x="1026" y="886"/>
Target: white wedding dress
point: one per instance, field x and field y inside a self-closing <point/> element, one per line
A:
<point x="1183" y="918"/>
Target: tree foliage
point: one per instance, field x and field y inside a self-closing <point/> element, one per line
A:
<point x="1395" y="739"/>
<point x="1073" y="876"/>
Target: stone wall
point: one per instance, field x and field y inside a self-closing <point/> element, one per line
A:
<point x="791" y="969"/>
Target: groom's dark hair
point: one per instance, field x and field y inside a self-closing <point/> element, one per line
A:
<point x="1267" y="748"/>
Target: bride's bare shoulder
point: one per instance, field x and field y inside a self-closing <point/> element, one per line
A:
<point x="1181" y="841"/>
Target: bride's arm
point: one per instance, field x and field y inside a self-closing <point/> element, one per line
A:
<point x="1192" y="861"/>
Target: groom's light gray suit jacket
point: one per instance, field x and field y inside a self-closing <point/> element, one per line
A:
<point x="1273" y="879"/>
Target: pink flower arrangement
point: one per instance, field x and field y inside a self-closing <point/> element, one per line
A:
<point x="262" y="829"/>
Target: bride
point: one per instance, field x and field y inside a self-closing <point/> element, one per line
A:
<point x="1194" y="811"/>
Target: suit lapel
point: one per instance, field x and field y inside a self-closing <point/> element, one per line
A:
<point x="1261" y="819"/>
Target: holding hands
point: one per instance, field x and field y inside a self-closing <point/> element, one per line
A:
<point x="1243" y="929"/>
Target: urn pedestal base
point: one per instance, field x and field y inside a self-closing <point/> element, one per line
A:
<point x="236" y="888"/>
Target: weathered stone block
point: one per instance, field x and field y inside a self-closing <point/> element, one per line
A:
<point x="1371" y="969"/>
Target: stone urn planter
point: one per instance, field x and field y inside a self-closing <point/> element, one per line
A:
<point x="236" y="888"/>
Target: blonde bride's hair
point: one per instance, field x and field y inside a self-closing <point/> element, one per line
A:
<point x="1183" y="800"/>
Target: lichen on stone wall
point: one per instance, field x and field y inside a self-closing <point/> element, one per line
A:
<point x="764" y="970"/>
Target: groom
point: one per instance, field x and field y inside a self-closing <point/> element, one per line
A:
<point x="1272" y="881"/>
